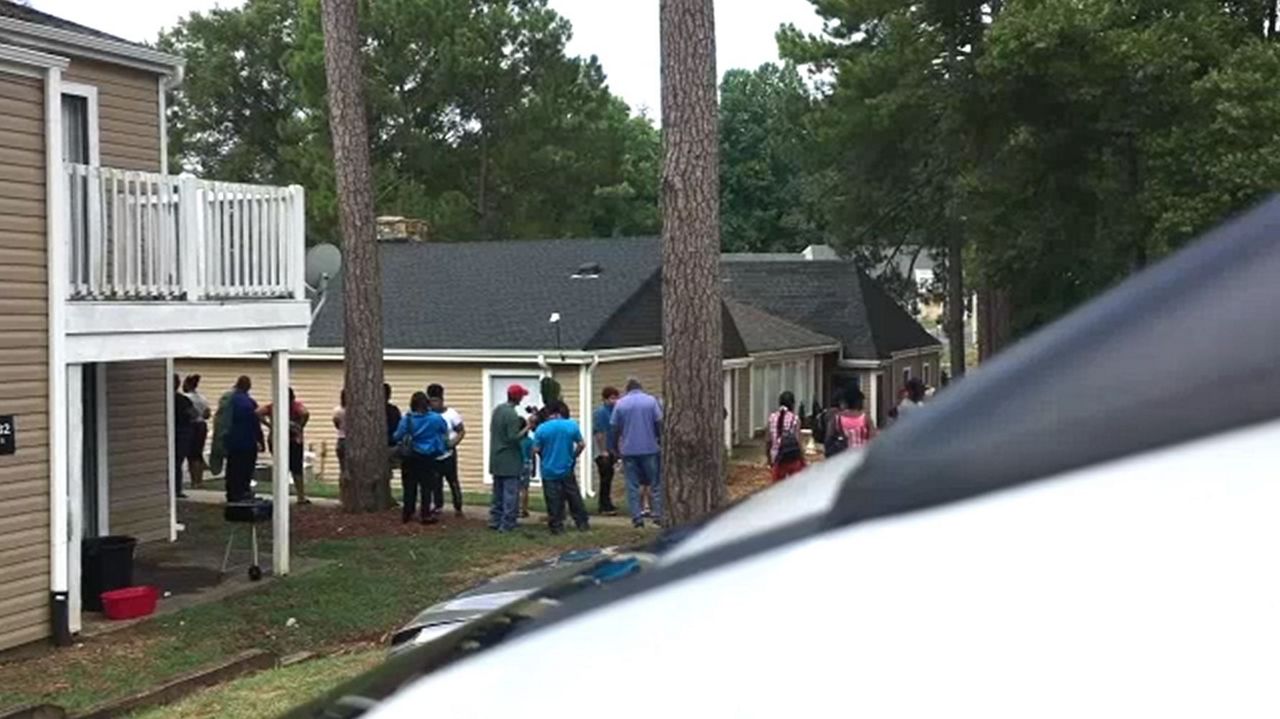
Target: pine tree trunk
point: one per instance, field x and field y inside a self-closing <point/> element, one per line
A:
<point x="955" y="302"/>
<point x="361" y="282"/>
<point x="994" y="321"/>
<point x="692" y="449"/>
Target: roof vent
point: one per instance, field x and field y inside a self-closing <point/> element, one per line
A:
<point x="588" y="271"/>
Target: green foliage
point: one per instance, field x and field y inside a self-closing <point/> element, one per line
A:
<point x="772" y="192"/>
<point x="479" y="121"/>
<point x="1068" y="142"/>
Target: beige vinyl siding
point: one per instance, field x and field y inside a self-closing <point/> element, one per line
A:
<point x="464" y="391"/>
<point x="570" y="393"/>
<point x="138" y="450"/>
<point x="24" y="370"/>
<point x="616" y="374"/>
<point x="128" y="113"/>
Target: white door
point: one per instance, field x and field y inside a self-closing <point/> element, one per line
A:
<point x="496" y="384"/>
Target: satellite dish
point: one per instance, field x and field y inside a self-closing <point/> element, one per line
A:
<point x="323" y="262"/>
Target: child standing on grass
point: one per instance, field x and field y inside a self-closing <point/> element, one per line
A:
<point x="526" y="472"/>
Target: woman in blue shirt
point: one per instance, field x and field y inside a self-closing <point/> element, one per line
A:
<point x="428" y="432"/>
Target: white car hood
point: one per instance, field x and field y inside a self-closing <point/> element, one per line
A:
<point x="807" y="494"/>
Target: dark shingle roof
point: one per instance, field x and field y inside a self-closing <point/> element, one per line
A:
<point x="638" y="323"/>
<point x="763" y="332"/>
<point x="833" y="298"/>
<point x="498" y="295"/>
<point x="28" y="14"/>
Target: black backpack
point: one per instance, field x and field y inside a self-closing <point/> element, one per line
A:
<point x="789" y="449"/>
<point x="834" y="441"/>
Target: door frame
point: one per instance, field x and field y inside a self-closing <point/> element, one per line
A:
<point x="90" y="94"/>
<point x="534" y="374"/>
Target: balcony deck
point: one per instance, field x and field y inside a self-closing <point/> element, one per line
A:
<point x="164" y="266"/>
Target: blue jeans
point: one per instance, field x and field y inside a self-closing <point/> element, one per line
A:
<point x="643" y="469"/>
<point x="559" y="491"/>
<point x="503" y="504"/>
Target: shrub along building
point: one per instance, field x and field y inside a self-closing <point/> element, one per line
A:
<point x="110" y="268"/>
<point x="477" y="317"/>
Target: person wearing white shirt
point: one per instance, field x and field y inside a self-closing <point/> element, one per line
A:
<point x="448" y="460"/>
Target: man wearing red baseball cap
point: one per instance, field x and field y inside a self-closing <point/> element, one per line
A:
<point x="506" y="460"/>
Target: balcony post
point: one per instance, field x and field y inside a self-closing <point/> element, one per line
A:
<point x="190" y="238"/>
<point x="298" y="242"/>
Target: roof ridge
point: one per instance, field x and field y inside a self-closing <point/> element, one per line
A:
<point x="655" y="276"/>
<point x="734" y="301"/>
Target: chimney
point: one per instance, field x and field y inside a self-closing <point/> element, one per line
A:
<point x="402" y="229"/>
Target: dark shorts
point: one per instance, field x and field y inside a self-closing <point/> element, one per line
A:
<point x="295" y="458"/>
<point x="195" y="445"/>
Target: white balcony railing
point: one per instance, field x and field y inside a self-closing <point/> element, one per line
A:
<point x="148" y="236"/>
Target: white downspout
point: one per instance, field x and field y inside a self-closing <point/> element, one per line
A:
<point x="542" y="363"/>
<point x="56" y="217"/>
<point x="586" y="391"/>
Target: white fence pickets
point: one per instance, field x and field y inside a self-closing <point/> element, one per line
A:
<point x="147" y="236"/>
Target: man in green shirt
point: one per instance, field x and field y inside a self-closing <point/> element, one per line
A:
<point x="506" y="460"/>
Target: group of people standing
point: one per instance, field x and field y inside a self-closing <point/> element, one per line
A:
<point x="844" y="426"/>
<point x="237" y="437"/>
<point x="425" y="440"/>
<point x="548" y="442"/>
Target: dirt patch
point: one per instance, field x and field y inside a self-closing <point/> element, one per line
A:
<point x="745" y="479"/>
<point x="47" y="672"/>
<point x="311" y="522"/>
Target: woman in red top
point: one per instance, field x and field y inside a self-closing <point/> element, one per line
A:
<point x="298" y="417"/>
<point x="786" y="453"/>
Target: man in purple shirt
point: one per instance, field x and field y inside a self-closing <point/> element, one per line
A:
<point x="637" y="423"/>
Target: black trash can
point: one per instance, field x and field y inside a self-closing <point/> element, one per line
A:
<point x="106" y="563"/>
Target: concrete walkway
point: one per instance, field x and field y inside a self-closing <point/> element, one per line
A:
<point x="473" y="511"/>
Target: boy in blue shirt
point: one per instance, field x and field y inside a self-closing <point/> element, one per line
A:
<point x="526" y="472"/>
<point x="557" y="444"/>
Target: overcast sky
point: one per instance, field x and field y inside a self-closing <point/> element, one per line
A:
<point x="623" y="33"/>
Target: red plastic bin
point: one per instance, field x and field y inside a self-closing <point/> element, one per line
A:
<point x="130" y="602"/>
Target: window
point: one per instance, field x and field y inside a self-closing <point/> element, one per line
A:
<point x="75" y="129"/>
<point x="80" y="147"/>
<point x="928" y="374"/>
<point x="906" y="376"/>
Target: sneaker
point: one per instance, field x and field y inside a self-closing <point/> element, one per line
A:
<point x="430" y="519"/>
<point x="647" y="514"/>
<point x="637" y="523"/>
<point x="584" y="527"/>
<point x="524" y="514"/>
<point x="458" y="513"/>
<point x="608" y="513"/>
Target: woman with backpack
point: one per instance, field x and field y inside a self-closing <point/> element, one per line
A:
<point x="786" y="454"/>
<point x="851" y="427"/>
<point x="420" y="439"/>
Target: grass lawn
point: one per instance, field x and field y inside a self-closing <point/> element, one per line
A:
<point x="329" y="490"/>
<point x="273" y="692"/>
<point x="374" y="584"/>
